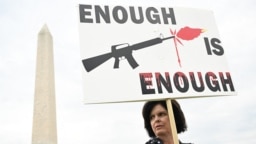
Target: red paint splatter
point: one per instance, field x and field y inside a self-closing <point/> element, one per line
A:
<point x="185" y="33"/>
<point x="188" y="33"/>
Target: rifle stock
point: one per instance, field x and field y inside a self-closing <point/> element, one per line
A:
<point x="93" y="62"/>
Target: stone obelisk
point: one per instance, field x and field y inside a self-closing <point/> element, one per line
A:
<point x="44" y="119"/>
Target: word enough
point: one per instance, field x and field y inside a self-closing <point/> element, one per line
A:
<point x="121" y="15"/>
<point x="214" y="82"/>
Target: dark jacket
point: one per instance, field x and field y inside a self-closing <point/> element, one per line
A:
<point x="158" y="141"/>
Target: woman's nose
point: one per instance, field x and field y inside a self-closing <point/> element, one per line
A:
<point x="157" y="119"/>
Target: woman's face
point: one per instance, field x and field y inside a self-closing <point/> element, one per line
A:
<point x="159" y="121"/>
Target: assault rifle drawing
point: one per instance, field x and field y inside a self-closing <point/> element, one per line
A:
<point x="126" y="51"/>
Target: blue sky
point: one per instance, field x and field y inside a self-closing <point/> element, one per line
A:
<point x="222" y="120"/>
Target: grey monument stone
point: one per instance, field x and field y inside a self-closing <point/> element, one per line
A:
<point x="44" y="129"/>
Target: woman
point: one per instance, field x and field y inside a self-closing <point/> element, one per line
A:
<point x="157" y="124"/>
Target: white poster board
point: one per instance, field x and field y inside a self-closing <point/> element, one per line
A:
<point x="138" y="53"/>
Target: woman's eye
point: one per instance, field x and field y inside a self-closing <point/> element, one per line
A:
<point x="162" y="114"/>
<point x="152" y="117"/>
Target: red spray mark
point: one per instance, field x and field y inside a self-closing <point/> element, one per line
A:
<point x="185" y="33"/>
<point x="188" y="33"/>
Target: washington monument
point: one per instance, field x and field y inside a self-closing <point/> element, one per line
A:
<point x="44" y="129"/>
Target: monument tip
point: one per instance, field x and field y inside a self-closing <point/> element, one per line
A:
<point x="44" y="29"/>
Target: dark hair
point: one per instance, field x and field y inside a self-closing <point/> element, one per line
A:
<point x="179" y="117"/>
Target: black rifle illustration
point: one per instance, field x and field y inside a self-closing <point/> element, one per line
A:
<point x="93" y="62"/>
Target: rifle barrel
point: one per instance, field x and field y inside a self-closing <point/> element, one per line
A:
<point x="167" y="38"/>
<point x="148" y="43"/>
